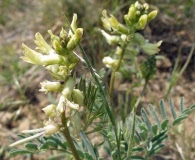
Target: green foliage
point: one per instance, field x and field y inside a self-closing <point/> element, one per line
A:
<point x="150" y="131"/>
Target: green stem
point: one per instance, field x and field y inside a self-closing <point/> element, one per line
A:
<point x="68" y="137"/>
<point x="131" y="142"/>
<point x="175" y="75"/>
<point x="104" y="96"/>
<point x="112" y="79"/>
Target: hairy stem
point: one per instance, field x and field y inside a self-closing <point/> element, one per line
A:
<point x="66" y="134"/>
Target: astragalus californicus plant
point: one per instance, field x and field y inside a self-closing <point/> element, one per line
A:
<point x="84" y="107"/>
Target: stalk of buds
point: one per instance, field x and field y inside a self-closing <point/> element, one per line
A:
<point x="123" y="35"/>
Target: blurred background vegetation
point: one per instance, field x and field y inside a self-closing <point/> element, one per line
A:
<point x="19" y="82"/>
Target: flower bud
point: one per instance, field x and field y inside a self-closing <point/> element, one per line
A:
<point x="55" y="40"/>
<point x="64" y="37"/>
<point x="131" y="13"/>
<point x="68" y="88"/>
<point x="47" y="86"/>
<point x="75" y="39"/>
<point x="142" y="22"/>
<point x="73" y="25"/>
<point x="146" y="6"/>
<point x="50" y="110"/>
<point x="110" y="39"/>
<point x="78" y="97"/>
<point x="138" y="5"/>
<point x="152" y="15"/>
<point x="128" y="22"/>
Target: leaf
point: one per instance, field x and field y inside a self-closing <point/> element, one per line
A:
<point x="149" y="145"/>
<point x="171" y="104"/>
<point x="146" y="119"/>
<point x="52" y="144"/>
<point x="88" y="156"/>
<point x="143" y="135"/>
<point x="182" y="105"/>
<point x="154" y="116"/>
<point x="164" y="124"/>
<point x="137" y="139"/>
<point x="44" y="146"/>
<point x="159" y="136"/>
<point x="142" y="126"/>
<point x="160" y="140"/>
<point x="88" y="144"/>
<point x="21" y="152"/>
<point x="179" y="119"/>
<point x="154" y="129"/>
<point x="57" y="141"/>
<point x="138" y="149"/>
<point x="31" y="146"/>
<point x="162" y="109"/>
<point x="192" y="107"/>
<point x="187" y="111"/>
<point x="154" y="151"/>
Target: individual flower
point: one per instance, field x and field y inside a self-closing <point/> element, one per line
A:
<point x="110" y="39"/>
<point x="50" y="110"/>
<point x="31" y="56"/>
<point x="112" y="24"/>
<point x="105" y="21"/>
<point x="109" y="62"/>
<point x="61" y="105"/>
<point x="150" y="48"/>
<point x="45" y="131"/>
<point x="42" y="44"/>
<point x="72" y="105"/>
<point x="47" y="86"/>
<point x="68" y="88"/>
<point x="34" y="57"/>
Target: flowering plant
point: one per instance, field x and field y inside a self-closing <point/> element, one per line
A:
<point x="84" y="107"/>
